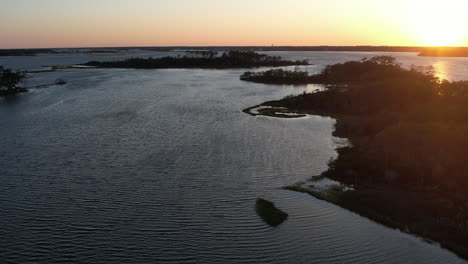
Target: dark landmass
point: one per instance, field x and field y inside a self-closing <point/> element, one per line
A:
<point x="342" y="48"/>
<point x="97" y="50"/>
<point x="349" y="73"/>
<point x="277" y="76"/>
<point x="203" y="60"/>
<point x="423" y="51"/>
<point x="408" y="131"/>
<point x="9" y="81"/>
<point x="269" y="213"/>
<point x="444" y="52"/>
<point x="23" y="52"/>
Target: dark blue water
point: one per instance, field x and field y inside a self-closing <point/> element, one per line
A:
<point x="161" y="166"/>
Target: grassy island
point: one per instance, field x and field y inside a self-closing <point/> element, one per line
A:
<point x="409" y="135"/>
<point x="203" y="60"/>
<point x="269" y="213"/>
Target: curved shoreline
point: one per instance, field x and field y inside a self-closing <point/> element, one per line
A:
<point x="393" y="207"/>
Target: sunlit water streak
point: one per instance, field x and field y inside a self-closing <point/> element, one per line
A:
<point x="161" y="166"/>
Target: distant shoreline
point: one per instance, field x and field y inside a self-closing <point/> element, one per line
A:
<point x="201" y="60"/>
<point x="423" y="51"/>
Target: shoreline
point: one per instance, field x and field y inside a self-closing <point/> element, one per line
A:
<point x="405" y="209"/>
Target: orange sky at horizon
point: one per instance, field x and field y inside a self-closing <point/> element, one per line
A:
<point x="68" y="23"/>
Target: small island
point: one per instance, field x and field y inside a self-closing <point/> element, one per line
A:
<point x="405" y="166"/>
<point x="201" y="60"/>
<point x="269" y="213"/>
<point x="9" y="81"/>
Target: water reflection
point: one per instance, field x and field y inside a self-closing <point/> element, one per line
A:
<point x="312" y="88"/>
<point x="171" y="171"/>
<point x="441" y="70"/>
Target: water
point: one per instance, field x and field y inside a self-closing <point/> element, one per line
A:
<point x="161" y="166"/>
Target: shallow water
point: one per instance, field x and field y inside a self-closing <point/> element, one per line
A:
<point x="161" y="166"/>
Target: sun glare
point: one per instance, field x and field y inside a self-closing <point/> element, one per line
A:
<point x="439" y="23"/>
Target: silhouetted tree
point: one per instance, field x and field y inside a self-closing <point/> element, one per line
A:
<point x="9" y="79"/>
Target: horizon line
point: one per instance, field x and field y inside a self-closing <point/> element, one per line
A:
<point x="237" y="46"/>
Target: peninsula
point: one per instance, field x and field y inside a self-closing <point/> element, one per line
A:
<point x="405" y="166"/>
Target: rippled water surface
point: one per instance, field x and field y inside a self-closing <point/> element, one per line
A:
<point x="161" y="166"/>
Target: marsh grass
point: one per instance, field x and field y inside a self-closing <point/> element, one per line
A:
<point x="269" y="213"/>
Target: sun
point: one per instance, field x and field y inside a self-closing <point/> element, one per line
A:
<point x="439" y="23"/>
<point x="441" y="34"/>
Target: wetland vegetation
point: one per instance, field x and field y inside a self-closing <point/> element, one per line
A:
<point x="270" y="213"/>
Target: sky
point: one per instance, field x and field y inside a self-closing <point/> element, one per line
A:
<point x="97" y="23"/>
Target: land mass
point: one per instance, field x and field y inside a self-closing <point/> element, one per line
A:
<point x="406" y="162"/>
<point x="444" y="52"/>
<point x="423" y="51"/>
<point x="97" y="50"/>
<point x="9" y="81"/>
<point x="203" y="60"/>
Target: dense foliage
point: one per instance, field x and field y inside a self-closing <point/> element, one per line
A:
<point x="277" y="76"/>
<point x="351" y="72"/>
<point x="230" y="59"/>
<point x="402" y="120"/>
<point x="9" y="81"/>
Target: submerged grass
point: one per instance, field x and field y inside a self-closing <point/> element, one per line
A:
<point x="269" y="213"/>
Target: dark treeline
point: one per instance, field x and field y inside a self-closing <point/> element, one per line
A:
<point x="32" y="52"/>
<point x="423" y="51"/>
<point x="311" y="48"/>
<point x="350" y="72"/>
<point x="445" y="52"/>
<point x="277" y="76"/>
<point x="409" y="135"/>
<point x="230" y="59"/>
<point x="24" y="52"/>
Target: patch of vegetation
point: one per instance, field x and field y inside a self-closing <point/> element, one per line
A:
<point x="277" y="76"/>
<point x="408" y="131"/>
<point x="9" y="81"/>
<point x="204" y="60"/>
<point x="351" y="72"/>
<point x="60" y="81"/>
<point x="269" y="213"/>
